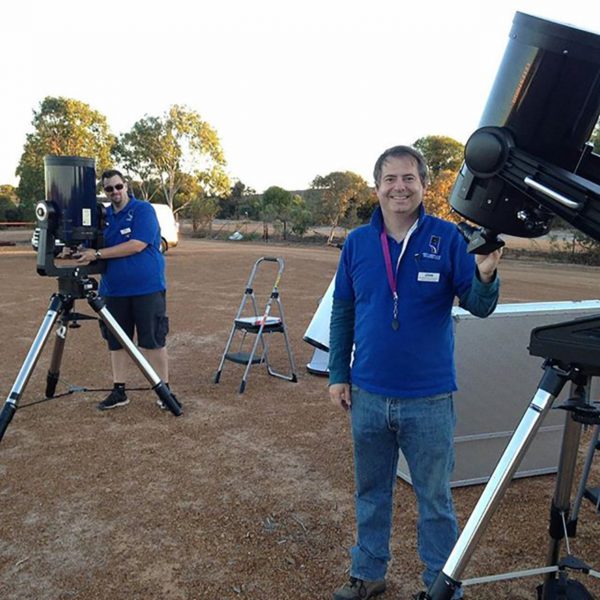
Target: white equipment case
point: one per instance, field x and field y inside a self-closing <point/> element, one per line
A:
<point x="497" y="378"/>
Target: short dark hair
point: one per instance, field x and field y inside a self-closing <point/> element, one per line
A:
<point x="112" y="173"/>
<point x="401" y="152"/>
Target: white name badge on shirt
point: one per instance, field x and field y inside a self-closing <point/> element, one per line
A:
<point x="429" y="277"/>
<point x="125" y="231"/>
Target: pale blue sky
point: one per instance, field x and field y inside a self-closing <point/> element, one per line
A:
<point x="294" y="89"/>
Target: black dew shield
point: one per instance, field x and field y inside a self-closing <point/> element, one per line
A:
<point x="71" y="188"/>
<point x="546" y="96"/>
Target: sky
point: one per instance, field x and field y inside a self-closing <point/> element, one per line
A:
<point x="293" y="89"/>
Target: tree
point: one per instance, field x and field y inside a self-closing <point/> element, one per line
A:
<point x="441" y="152"/>
<point x="9" y="210"/>
<point x="62" y="127"/>
<point x="168" y="148"/>
<point x="230" y="204"/>
<point x="444" y="157"/>
<point x="437" y="194"/>
<point x="341" y="192"/>
<point x="276" y="205"/>
<point x="300" y="215"/>
<point x="202" y="212"/>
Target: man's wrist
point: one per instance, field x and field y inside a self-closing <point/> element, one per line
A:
<point x="98" y="254"/>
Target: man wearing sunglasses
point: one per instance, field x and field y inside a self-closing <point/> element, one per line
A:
<point x="133" y="284"/>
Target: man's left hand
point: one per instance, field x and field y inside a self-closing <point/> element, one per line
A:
<point x="487" y="264"/>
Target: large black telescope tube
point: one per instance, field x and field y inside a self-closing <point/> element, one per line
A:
<point x="544" y="103"/>
<point x="71" y="190"/>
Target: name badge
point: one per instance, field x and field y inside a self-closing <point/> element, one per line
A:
<point x="428" y="277"/>
<point x="125" y="231"/>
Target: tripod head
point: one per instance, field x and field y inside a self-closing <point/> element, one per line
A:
<point x="70" y="213"/>
<point x="76" y="284"/>
<point x="531" y="160"/>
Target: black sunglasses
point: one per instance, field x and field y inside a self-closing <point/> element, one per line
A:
<point x="109" y="188"/>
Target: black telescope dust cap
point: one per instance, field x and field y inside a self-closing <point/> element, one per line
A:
<point x="545" y="101"/>
<point x="71" y="188"/>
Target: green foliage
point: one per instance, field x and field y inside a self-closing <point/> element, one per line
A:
<point x="300" y="215"/>
<point x="202" y="211"/>
<point x="441" y="152"/>
<point x="339" y="196"/>
<point x="444" y="157"/>
<point x="8" y="210"/>
<point x="170" y="149"/>
<point x="62" y="127"/>
<point x="276" y="205"/>
<point x="437" y="194"/>
<point x="235" y="204"/>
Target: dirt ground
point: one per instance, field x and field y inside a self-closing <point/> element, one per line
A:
<point x="243" y="496"/>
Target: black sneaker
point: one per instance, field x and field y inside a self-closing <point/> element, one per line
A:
<point x="114" y="399"/>
<point x="357" y="589"/>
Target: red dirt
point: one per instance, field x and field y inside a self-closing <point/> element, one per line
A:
<point x="244" y="496"/>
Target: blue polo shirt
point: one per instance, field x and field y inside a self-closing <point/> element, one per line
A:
<point x="416" y="359"/>
<point x="137" y="274"/>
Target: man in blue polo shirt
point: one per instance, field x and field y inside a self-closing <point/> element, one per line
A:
<point x="395" y="286"/>
<point x="133" y="284"/>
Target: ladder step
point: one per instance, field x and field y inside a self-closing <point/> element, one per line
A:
<point x="253" y="324"/>
<point x="243" y="358"/>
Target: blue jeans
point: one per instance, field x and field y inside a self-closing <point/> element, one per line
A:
<point x="423" y="428"/>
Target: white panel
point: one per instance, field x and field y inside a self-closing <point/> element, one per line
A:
<point x="497" y="378"/>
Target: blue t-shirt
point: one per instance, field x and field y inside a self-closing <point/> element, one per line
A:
<point x="140" y="273"/>
<point x="416" y="359"/>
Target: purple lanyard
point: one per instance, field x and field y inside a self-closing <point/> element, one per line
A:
<point x="391" y="277"/>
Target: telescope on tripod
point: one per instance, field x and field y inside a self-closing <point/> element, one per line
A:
<point x="72" y="214"/>
<point x="529" y="161"/>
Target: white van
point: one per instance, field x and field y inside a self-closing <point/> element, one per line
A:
<point x="169" y="227"/>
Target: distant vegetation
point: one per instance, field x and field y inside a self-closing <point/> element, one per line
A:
<point x="176" y="158"/>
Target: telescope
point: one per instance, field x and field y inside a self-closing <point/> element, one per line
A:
<point x="530" y="160"/>
<point x="72" y="214"/>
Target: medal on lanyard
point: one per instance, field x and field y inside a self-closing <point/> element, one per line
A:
<point x="391" y="277"/>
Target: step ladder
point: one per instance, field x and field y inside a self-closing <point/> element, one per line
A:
<point x="260" y="327"/>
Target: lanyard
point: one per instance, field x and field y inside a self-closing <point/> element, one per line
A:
<point x="391" y="275"/>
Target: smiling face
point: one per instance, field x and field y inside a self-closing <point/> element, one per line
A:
<point x="116" y="191"/>
<point x="400" y="191"/>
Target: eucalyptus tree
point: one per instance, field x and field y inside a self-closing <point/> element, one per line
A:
<point x="444" y="156"/>
<point x="169" y="148"/>
<point x="61" y="126"/>
<point x="441" y="152"/>
<point x="341" y="194"/>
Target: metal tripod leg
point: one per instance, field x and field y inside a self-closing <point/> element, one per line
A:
<point x="561" y="501"/>
<point x="583" y="490"/>
<point x="158" y="385"/>
<point x="59" y="346"/>
<point x="57" y="303"/>
<point x="447" y="582"/>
